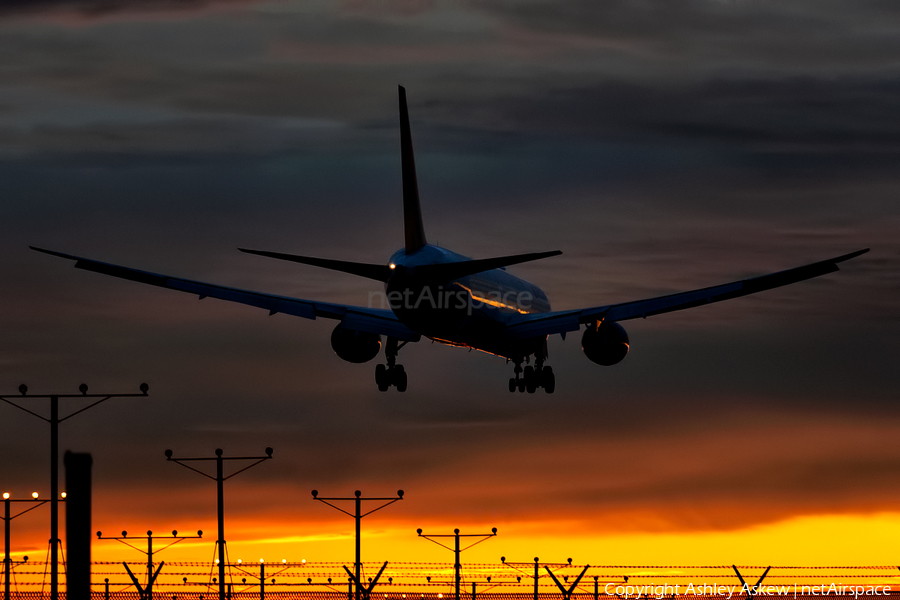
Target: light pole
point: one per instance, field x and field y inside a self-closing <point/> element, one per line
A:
<point x="54" y="422"/>
<point x="358" y="515"/>
<point x="567" y="592"/>
<point x="262" y="575"/>
<point x="7" y="525"/>
<point x="220" y="495"/>
<point x="456" y="549"/>
<point x="147" y="592"/>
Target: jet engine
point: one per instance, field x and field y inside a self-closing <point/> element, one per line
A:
<point x="355" y="346"/>
<point x="605" y="343"/>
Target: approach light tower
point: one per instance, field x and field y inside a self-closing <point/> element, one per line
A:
<point x="7" y="534"/>
<point x="54" y="422"/>
<point x="456" y="549"/>
<point x="358" y="515"/>
<point x="220" y="495"/>
<point x="146" y="593"/>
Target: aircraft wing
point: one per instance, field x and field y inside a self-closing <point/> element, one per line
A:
<point x="370" y="320"/>
<point x="541" y="324"/>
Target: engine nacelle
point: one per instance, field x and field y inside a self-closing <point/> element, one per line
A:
<point x="605" y="344"/>
<point x="355" y="346"/>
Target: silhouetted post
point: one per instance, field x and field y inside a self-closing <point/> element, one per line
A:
<point x="358" y="563"/>
<point x="7" y="561"/>
<point x="106" y="589"/>
<point x="358" y="515"/>
<point x="457" y="567"/>
<point x="220" y="498"/>
<point x="54" y="422"/>
<point x="54" y="497"/>
<point x="536" y="575"/>
<point x="220" y="515"/>
<point x="456" y="549"/>
<point x="78" y="525"/>
<point x="262" y="575"/>
<point x="596" y="588"/>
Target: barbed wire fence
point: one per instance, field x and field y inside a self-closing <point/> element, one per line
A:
<point x="189" y="580"/>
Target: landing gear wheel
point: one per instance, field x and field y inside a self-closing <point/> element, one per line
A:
<point x="521" y="385"/>
<point x="399" y="378"/>
<point x="391" y="374"/>
<point x="530" y="379"/>
<point x="548" y="380"/>
<point x="381" y="378"/>
<point x="512" y="384"/>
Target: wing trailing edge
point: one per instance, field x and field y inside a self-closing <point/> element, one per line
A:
<point x="571" y="320"/>
<point x="371" y="320"/>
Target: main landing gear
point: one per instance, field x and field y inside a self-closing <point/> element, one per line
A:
<point x="532" y="378"/>
<point x="391" y="374"/>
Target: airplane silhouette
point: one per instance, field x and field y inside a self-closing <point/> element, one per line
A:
<point x="452" y="299"/>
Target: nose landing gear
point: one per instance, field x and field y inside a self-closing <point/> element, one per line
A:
<point x="391" y="374"/>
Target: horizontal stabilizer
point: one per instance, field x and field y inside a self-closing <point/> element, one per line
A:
<point x="377" y="272"/>
<point x="455" y="270"/>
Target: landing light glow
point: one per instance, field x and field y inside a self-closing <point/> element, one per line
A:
<point x="392" y="266"/>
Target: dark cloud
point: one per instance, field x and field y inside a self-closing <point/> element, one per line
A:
<point x="90" y="10"/>
<point x="690" y="36"/>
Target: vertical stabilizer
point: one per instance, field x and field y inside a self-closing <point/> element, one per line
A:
<point x="412" y="213"/>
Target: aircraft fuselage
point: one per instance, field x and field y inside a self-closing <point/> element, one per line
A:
<point x="469" y="311"/>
